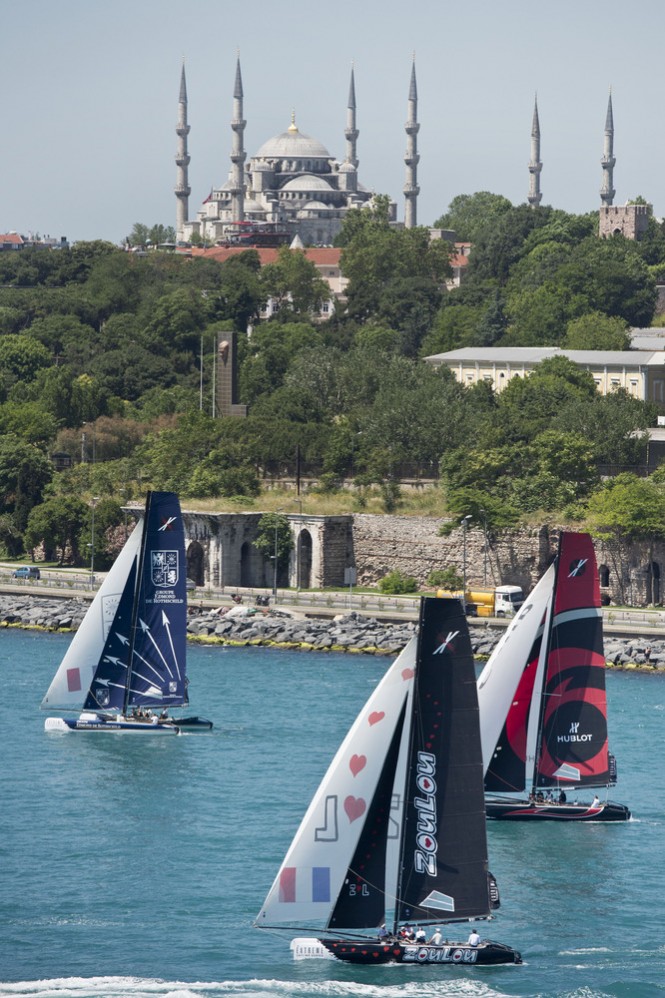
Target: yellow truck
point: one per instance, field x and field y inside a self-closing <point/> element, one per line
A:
<point x="502" y="601"/>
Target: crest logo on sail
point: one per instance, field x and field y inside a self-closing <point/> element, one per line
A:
<point x="165" y="568"/>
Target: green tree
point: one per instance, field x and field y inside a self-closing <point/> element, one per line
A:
<point x="470" y="214"/>
<point x="378" y="258"/>
<point x="28" y="420"/>
<point x="294" y="285"/>
<point x="21" y="357"/>
<point x="273" y="538"/>
<point x="626" y="510"/>
<point x="57" y="523"/>
<point x="596" y="331"/>
<point x="25" y="471"/>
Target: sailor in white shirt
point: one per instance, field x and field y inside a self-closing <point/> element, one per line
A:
<point x="473" y="939"/>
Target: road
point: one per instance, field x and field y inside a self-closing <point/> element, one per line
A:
<point x="66" y="584"/>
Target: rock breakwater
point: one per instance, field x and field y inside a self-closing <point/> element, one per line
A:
<point x="351" y="632"/>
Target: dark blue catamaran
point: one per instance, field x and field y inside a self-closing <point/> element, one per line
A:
<point x="125" y="669"/>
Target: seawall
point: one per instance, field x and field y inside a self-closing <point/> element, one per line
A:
<point x="351" y="632"/>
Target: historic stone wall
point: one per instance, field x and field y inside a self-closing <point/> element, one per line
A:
<point x="414" y="546"/>
<point x="220" y="552"/>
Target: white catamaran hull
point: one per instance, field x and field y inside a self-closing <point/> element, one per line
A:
<point x="115" y="725"/>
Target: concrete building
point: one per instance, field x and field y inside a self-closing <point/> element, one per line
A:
<point x="640" y="372"/>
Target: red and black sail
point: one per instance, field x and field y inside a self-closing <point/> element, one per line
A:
<point x="573" y="743"/>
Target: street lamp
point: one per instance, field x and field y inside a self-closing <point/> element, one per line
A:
<point x="484" y="516"/>
<point x="95" y="500"/>
<point x="274" y="556"/>
<point x="465" y="523"/>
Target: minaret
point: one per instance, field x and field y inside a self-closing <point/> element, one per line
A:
<point x="535" y="166"/>
<point x="411" y="189"/>
<point x="607" y="191"/>
<point x="182" y="188"/>
<point x="351" y="132"/>
<point x="238" y="156"/>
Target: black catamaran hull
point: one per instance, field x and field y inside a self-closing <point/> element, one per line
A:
<point x="459" y="954"/>
<point x="524" y="810"/>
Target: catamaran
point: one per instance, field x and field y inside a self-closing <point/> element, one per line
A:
<point x="125" y="668"/>
<point x="543" y="706"/>
<point x="396" y="831"/>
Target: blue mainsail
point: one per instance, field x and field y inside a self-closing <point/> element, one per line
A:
<point x="143" y="661"/>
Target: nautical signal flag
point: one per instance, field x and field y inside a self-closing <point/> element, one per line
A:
<point x="304" y="884"/>
<point x="73" y="680"/>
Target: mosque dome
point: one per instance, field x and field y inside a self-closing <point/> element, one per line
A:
<point x="306" y="182"/>
<point x="292" y="144"/>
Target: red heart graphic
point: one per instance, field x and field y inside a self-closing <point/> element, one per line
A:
<point x="356" y="763"/>
<point x="377" y="716"/>
<point x="407" y="673"/>
<point x="354" y="807"/>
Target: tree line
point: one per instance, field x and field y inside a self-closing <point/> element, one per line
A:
<point x="106" y="356"/>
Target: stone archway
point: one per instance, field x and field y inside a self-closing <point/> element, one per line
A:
<point x="304" y="560"/>
<point x="195" y="563"/>
<point x="246" y="579"/>
<point x="653" y="583"/>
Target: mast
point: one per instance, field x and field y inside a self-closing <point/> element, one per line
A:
<point x="403" y="788"/>
<point x="534" y="738"/>
<point x="135" y="607"/>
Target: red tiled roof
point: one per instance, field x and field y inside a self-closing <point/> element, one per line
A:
<point x="325" y="256"/>
<point x="11" y="237"/>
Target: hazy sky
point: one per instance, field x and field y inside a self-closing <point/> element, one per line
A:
<point x="91" y="90"/>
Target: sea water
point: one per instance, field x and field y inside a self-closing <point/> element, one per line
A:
<point x="134" y="866"/>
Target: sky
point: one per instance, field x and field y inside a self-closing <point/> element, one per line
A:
<point x="91" y="95"/>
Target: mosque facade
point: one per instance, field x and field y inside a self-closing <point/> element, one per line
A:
<point x="291" y="188"/>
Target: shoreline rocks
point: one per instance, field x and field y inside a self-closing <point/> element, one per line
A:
<point x="352" y="632"/>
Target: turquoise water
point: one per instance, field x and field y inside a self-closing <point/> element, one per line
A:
<point x="134" y="866"/>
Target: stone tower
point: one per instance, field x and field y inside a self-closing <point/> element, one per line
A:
<point x="348" y="170"/>
<point x="351" y="132"/>
<point x="225" y="377"/>
<point x="411" y="189"/>
<point x="238" y="155"/>
<point x="607" y="191"/>
<point x="535" y="166"/>
<point x="182" y="188"/>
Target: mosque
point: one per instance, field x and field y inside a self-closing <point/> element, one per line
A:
<point x="291" y="188"/>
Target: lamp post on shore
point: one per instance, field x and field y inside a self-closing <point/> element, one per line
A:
<point x="274" y="556"/>
<point x="95" y="500"/>
<point x="465" y="522"/>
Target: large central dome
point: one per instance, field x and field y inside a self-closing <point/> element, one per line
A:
<point x="292" y="144"/>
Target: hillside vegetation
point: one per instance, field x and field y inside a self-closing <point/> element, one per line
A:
<point x="106" y="356"/>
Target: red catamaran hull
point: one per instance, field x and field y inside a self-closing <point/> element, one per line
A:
<point x="459" y="954"/>
<point x="523" y="810"/>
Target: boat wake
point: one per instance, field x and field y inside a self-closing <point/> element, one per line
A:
<point x="136" y="987"/>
